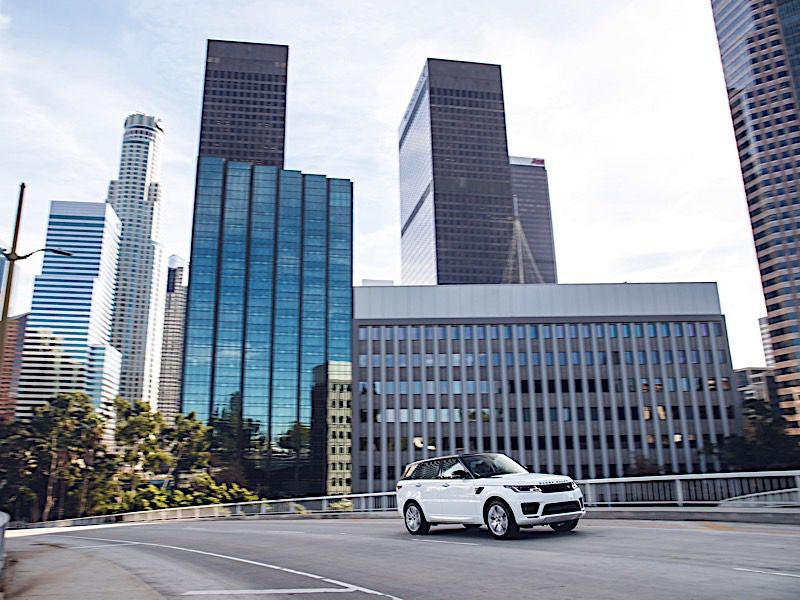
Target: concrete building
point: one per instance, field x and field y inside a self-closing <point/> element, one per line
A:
<point x="141" y="286"/>
<point x="591" y="380"/>
<point x="67" y="338"/>
<point x="11" y="366"/>
<point x="333" y="395"/>
<point x="169" y="392"/>
<point x="761" y="63"/>
<point x="457" y="211"/>
<point x="758" y="384"/>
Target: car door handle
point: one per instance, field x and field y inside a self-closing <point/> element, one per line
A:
<point x="445" y="485"/>
<point x="417" y="485"/>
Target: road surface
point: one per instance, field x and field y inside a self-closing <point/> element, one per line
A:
<point x="373" y="558"/>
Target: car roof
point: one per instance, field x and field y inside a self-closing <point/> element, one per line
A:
<point x="460" y="455"/>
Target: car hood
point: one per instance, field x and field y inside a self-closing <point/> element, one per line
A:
<point x="528" y="479"/>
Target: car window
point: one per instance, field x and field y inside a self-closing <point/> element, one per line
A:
<point x="492" y="465"/>
<point x="427" y="470"/>
<point x="450" y="466"/>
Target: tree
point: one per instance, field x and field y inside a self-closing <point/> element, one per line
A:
<point x="765" y="443"/>
<point x="189" y="442"/>
<point x="141" y="440"/>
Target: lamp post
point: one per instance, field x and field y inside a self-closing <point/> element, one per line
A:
<point x="12" y="257"/>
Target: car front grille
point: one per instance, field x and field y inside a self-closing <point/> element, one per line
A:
<point x="557" y="508"/>
<point x="551" y="488"/>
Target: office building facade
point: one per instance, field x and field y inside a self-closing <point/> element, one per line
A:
<point x="457" y="211"/>
<point x="244" y="102"/>
<point x="760" y="51"/>
<point x="169" y="392"/>
<point x="531" y="193"/>
<point x="269" y="302"/>
<point x="11" y="365"/>
<point x="585" y="380"/>
<point x="68" y="332"/>
<point x="141" y="286"/>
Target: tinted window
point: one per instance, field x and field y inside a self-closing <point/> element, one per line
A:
<point x="491" y="464"/>
<point x="450" y="466"/>
<point x="427" y="470"/>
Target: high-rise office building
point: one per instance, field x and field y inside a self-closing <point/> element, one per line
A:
<point x="532" y="196"/>
<point x="457" y="210"/>
<point x="11" y="365"/>
<point x="269" y="303"/>
<point x="67" y="338"/>
<point x="590" y="381"/>
<point x="169" y="391"/>
<point x="139" y="312"/>
<point x="244" y="102"/>
<point x="760" y="49"/>
<point x="270" y="297"/>
<point x="766" y="342"/>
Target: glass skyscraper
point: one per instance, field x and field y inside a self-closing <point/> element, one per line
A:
<point x="67" y="338"/>
<point x="270" y="297"/>
<point x="456" y="187"/>
<point x="759" y="43"/>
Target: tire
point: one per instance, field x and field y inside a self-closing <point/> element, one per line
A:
<point x="564" y="526"/>
<point x="500" y="521"/>
<point x="415" y="519"/>
<point x="471" y="526"/>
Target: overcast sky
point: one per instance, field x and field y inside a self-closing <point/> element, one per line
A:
<point x="623" y="98"/>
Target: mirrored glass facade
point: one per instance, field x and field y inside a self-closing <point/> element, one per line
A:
<point x="270" y="302"/>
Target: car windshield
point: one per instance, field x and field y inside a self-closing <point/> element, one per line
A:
<point x="492" y="465"/>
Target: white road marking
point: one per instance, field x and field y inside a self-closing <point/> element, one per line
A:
<point x="443" y="542"/>
<point x="265" y="592"/>
<point x="348" y="586"/>
<point x="104" y="545"/>
<point x="768" y="572"/>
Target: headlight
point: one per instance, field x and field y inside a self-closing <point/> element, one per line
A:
<point x="523" y="488"/>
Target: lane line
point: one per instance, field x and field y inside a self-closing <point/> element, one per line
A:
<point x="237" y="559"/>
<point x="267" y="592"/>
<point x="443" y="542"/>
<point x="104" y="545"/>
<point x="768" y="572"/>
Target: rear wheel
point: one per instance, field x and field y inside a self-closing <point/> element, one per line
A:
<point x="500" y="521"/>
<point x="415" y="520"/>
<point x="471" y="526"/>
<point x="564" y="526"/>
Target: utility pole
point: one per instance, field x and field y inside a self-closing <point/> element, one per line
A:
<point x="11" y="257"/>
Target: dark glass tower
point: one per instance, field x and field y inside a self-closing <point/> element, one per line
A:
<point x="759" y="44"/>
<point x="244" y="102"/>
<point x="529" y="186"/>
<point x="455" y="188"/>
<point x="269" y="302"/>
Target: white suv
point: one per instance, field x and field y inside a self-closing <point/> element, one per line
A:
<point x="486" y="487"/>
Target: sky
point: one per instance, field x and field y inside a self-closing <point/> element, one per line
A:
<point x="624" y="99"/>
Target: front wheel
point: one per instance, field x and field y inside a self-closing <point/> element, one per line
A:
<point x="415" y="520"/>
<point x="500" y="521"/>
<point x="564" y="526"/>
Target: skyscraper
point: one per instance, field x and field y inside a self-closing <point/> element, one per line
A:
<point x="457" y="213"/>
<point x="760" y="49"/>
<point x="169" y="391"/>
<point x="270" y="296"/>
<point x="11" y="365"/>
<point x="529" y="187"/>
<point x="67" y="337"/>
<point x="139" y="313"/>
<point x="244" y="102"/>
<point x="766" y="342"/>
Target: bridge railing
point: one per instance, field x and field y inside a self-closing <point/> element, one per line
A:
<point x="765" y="489"/>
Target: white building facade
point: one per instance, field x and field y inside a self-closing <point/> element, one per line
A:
<point x="138" y="323"/>
<point x="169" y="394"/>
<point x="597" y="380"/>
<point x="67" y="338"/>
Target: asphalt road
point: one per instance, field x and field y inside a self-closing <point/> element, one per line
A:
<point x="369" y="558"/>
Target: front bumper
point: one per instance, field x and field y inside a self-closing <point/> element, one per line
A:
<point x="541" y="509"/>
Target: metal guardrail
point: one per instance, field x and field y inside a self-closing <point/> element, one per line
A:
<point x="3" y="523"/>
<point x="766" y="489"/>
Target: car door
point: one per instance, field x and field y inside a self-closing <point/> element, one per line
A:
<point x="427" y="484"/>
<point x="456" y="494"/>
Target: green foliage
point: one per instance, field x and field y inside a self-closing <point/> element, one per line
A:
<point x="58" y="466"/>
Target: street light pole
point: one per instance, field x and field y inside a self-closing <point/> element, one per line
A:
<point x="12" y="259"/>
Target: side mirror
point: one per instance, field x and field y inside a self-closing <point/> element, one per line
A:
<point x="460" y="474"/>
